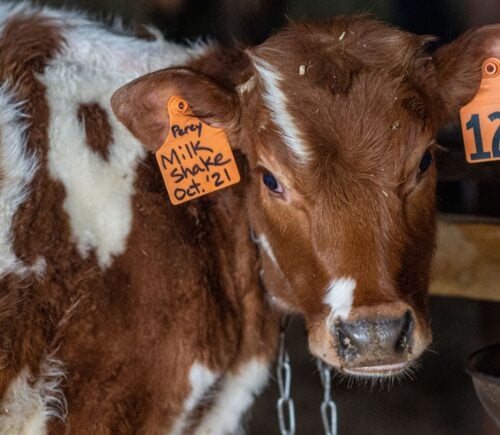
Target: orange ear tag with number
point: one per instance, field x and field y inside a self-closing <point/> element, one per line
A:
<point x="480" y="118"/>
<point x="196" y="158"/>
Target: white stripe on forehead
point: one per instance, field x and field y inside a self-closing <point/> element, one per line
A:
<point x="276" y="102"/>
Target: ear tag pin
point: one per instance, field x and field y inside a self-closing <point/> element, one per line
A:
<point x="196" y="158"/>
<point x="480" y="118"/>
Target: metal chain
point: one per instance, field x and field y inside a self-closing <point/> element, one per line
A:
<point x="328" y="407"/>
<point x="286" y="408"/>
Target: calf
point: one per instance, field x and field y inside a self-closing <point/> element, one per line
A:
<point x="120" y="313"/>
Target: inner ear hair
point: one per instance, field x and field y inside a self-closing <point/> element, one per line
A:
<point x="458" y="67"/>
<point x="141" y="105"/>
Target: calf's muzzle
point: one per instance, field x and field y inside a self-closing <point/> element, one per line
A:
<point x="375" y="342"/>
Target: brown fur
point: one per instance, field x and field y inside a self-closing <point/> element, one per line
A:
<point x="97" y="129"/>
<point x="141" y="305"/>
<point x="187" y="287"/>
<point x="27" y="44"/>
<point x="103" y="324"/>
<point x="360" y="209"/>
<point x="368" y="105"/>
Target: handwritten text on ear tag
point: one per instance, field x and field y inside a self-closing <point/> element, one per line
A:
<point x="480" y="118"/>
<point x="196" y="158"/>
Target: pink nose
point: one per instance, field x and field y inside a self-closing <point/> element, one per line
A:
<point x="375" y="341"/>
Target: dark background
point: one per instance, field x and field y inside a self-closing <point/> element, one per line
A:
<point x="441" y="399"/>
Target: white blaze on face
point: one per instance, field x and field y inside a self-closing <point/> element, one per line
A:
<point x="201" y="379"/>
<point x="339" y="296"/>
<point x="277" y="102"/>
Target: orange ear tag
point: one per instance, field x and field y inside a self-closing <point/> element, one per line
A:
<point x="480" y="118"/>
<point x="196" y="159"/>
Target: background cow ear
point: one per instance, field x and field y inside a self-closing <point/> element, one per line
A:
<point x="458" y="66"/>
<point x="141" y="105"/>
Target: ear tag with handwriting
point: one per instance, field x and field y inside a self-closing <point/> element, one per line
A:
<point x="196" y="158"/>
<point x="480" y="118"/>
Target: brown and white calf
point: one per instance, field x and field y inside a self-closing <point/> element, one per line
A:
<point x="120" y="313"/>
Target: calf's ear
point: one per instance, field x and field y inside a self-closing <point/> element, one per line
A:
<point x="458" y="66"/>
<point x="141" y="105"/>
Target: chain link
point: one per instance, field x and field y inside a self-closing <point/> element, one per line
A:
<point x="285" y="405"/>
<point x="328" y="407"/>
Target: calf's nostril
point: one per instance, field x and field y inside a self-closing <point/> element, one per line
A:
<point x="346" y="342"/>
<point x="404" y="342"/>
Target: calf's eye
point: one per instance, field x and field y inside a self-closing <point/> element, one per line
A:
<point x="426" y="161"/>
<point x="271" y="183"/>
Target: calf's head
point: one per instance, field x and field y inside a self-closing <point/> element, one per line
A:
<point x="336" y="121"/>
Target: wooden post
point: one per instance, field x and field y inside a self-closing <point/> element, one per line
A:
<point x="467" y="260"/>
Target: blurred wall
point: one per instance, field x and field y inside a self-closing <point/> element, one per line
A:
<point x="250" y="21"/>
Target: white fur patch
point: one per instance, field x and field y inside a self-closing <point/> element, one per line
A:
<point x="17" y="169"/>
<point x="339" y="296"/>
<point x="237" y="395"/>
<point x="29" y="403"/>
<point x="266" y="247"/>
<point x="276" y="102"/>
<point x="247" y="86"/>
<point x="201" y="379"/>
<point x="88" y="69"/>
